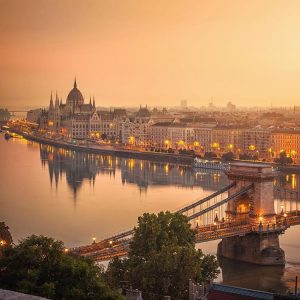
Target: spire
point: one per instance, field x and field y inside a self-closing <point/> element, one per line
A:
<point x="56" y="99"/>
<point x="94" y="105"/>
<point x="60" y="101"/>
<point x="75" y="83"/>
<point x="90" y="100"/>
<point x="51" y="101"/>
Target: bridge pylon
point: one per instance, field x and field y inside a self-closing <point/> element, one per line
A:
<point x="261" y="246"/>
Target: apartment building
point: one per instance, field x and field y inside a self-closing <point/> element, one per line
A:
<point x="288" y="141"/>
<point x="257" y="141"/>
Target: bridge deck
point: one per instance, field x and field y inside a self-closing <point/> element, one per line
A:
<point x="103" y="250"/>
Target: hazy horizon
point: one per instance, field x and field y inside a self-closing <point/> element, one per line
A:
<point x="127" y="53"/>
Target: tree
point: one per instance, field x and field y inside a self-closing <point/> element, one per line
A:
<point x="283" y="159"/>
<point x="229" y="156"/>
<point x="104" y="136"/>
<point x="40" y="266"/>
<point x="162" y="257"/>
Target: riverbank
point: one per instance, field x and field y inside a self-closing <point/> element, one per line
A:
<point x="131" y="153"/>
<point x="111" y="150"/>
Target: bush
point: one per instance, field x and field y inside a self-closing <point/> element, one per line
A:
<point x="40" y="266"/>
<point x="229" y="156"/>
<point x="283" y="159"/>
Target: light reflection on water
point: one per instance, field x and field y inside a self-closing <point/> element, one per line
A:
<point x="73" y="196"/>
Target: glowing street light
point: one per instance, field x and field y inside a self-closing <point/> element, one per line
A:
<point x="94" y="239"/>
<point x="131" y="139"/>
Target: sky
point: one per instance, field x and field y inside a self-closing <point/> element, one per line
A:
<point x="132" y="52"/>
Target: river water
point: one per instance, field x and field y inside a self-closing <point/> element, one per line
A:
<point x="75" y="196"/>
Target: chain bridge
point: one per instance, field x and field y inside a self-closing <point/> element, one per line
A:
<point x="244" y="215"/>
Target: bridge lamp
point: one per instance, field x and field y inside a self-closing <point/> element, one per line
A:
<point x="261" y="219"/>
<point x="285" y="215"/>
<point x="2" y="242"/>
<point x="216" y="220"/>
<point x="66" y="250"/>
<point x="110" y="243"/>
<point x="94" y="239"/>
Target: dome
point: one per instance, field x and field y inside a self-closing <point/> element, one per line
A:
<point x="75" y="97"/>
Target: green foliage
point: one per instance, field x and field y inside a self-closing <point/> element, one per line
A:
<point x="229" y="156"/>
<point x="104" y="136"/>
<point x="162" y="258"/>
<point x="283" y="159"/>
<point x="40" y="266"/>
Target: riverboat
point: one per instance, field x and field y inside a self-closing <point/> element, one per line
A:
<point x="210" y="164"/>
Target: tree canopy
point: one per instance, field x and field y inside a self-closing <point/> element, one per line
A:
<point x="228" y="156"/>
<point x="283" y="159"/>
<point x="42" y="266"/>
<point x="162" y="258"/>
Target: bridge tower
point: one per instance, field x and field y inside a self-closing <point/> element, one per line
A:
<point x="257" y="208"/>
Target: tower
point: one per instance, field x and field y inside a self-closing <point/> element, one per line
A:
<point x="256" y="208"/>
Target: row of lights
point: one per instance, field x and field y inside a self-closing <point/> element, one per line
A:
<point x="94" y="240"/>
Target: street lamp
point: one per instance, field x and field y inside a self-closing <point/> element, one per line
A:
<point x="94" y="239"/>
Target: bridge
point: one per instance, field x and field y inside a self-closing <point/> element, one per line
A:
<point x="241" y="214"/>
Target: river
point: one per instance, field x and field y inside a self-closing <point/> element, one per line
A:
<point x="75" y="196"/>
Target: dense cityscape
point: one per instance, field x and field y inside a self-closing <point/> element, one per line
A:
<point x="149" y="150"/>
<point x="265" y="135"/>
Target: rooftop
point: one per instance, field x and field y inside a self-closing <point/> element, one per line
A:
<point x="241" y="293"/>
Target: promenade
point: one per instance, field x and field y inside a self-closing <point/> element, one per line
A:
<point x="109" y="149"/>
<point x="122" y="151"/>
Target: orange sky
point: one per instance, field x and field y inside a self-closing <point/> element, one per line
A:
<point x="131" y="52"/>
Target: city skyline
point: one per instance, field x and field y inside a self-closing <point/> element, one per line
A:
<point x="127" y="54"/>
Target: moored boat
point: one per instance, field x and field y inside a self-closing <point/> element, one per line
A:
<point x="210" y="164"/>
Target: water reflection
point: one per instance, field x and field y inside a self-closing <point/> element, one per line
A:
<point x="268" y="278"/>
<point x="109" y="200"/>
<point x="80" y="166"/>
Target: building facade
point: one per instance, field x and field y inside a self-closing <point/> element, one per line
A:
<point x="288" y="141"/>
